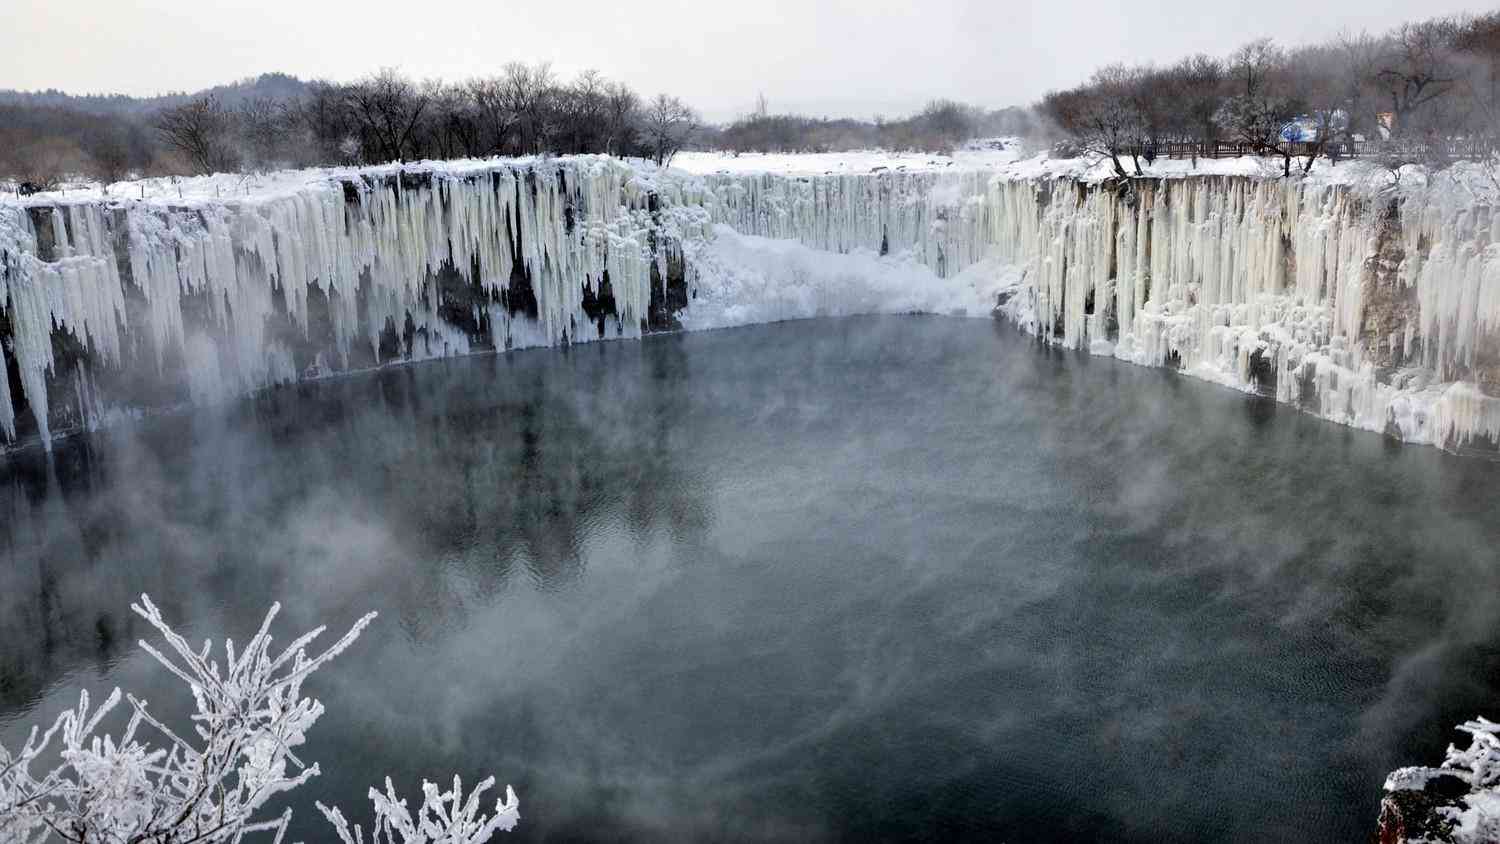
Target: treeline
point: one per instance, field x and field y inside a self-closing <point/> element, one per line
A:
<point x="387" y="116"/>
<point x="1425" y="92"/>
<point x="939" y="127"/>
<point x="46" y="135"/>
<point x="279" y="86"/>
<point x="40" y="145"/>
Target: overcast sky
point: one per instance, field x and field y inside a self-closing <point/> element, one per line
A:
<point x="858" y="57"/>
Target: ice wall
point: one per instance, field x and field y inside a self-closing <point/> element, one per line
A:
<point x="111" y="305"/>
<point x="1375" y="309"/>
<point x="1372" y="308"/>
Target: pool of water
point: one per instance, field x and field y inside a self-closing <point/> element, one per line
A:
<point x="897" y="577"/>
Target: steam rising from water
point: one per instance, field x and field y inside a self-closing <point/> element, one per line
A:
<point x="833" y="579"/>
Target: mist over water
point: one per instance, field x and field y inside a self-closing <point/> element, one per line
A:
<point x="898" y="577"/>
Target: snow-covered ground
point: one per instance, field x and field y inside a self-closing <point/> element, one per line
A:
<point x="861" y="161"/>
<point x="1013" y="158"/>
<point x="1008" y="158"/>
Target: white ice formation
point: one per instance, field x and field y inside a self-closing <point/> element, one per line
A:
<point x="1372" y="309"/>
<point x="221" y="297"/>
<point x="1375" y="309"/>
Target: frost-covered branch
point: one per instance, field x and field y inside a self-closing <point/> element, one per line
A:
<point x="445" y="817"/>
<point x="72" y="783"/>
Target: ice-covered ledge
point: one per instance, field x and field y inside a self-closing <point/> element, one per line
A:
<point x="1368" y="306"/>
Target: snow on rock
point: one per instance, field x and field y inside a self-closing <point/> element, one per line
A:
<point x="1458" y="802"/>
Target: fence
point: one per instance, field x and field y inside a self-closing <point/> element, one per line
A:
<point x="1454" y="149"/>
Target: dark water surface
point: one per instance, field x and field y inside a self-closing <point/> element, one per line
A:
<point x="900" y="577"/>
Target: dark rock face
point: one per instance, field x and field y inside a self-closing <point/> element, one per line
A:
<point x="1390" y="307"/>
<point x="599" y="305"/>
<point x="1415" y="815"/>
<point x="1263" y="372"/>
<point x="668" y="296"/>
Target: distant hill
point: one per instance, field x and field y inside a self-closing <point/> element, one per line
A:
<point x="279" y="86"/>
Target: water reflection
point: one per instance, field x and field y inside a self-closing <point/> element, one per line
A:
<point x="408" y="480"/>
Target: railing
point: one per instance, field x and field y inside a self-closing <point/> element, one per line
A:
<point x="1451" y="149"/>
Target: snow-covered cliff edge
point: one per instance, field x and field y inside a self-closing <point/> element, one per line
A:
<point x="1378" y="309"/>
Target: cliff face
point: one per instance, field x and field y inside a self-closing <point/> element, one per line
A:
<point x="1371" y="309"/>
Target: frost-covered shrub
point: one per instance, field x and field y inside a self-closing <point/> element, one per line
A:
<point x="445" y="817"/>
<point x="71" y="783"/>
<point x="1480" y="761"/>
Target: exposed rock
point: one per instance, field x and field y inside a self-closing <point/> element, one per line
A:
<point x="1412" y="809"/>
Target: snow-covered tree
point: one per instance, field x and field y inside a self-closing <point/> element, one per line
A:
<point x="70" y="782"/>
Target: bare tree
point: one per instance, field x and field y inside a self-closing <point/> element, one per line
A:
<point x="524" y="91"/>
<point x="331" y="131"/>
<point x="621" y="106"/>
<point x="42" y="164"/>
<point x="1418" y="69"/>
<point x="1259" y="107"/>
<point x="667" y="126"/>
<point x="1192" y="90"/>
<point x="1323" y="79"/>
<point x="454" y="125"/>
<point x="496" y="121"/>
<point x="264" y="127"/>
<point x="1099" y="115"/>
<point x="579" y="113"/>
<point x="1145" y="90"/>
<point x="948" y="123"/>
<point x="108" y="153"/>
<point x="1478" y="44"/>
<point x="199" y="130"/>
<point x="388" y="109"/>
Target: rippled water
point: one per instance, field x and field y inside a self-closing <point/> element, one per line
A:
<point x="892" y="577"/>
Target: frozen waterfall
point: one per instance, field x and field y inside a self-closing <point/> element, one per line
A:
<point x="214" y="298"/>
<point x="1371" y="308"/>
